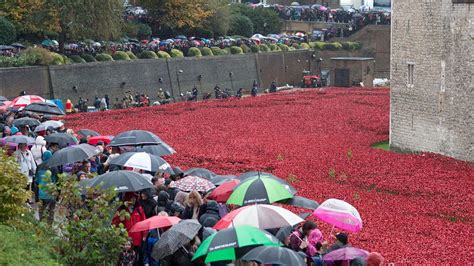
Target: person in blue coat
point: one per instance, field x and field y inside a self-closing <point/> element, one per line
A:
<point x="45" y="176"/>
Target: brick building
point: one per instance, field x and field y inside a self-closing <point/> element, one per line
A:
<point x="432" y="77"/>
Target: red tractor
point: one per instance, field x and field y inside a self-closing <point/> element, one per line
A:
<point x="311" y="81"/>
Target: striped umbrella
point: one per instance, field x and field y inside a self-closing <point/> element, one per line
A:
<point x="190" y="183"/>
<point x="174" y="238"/>
<point x="144" y="161"/>
<point x="261" y="190"/>
<point x="252" y="174"/>
<point x="232" y="243"/>
<point x="262" y="216"/>
<point x="340" y="214"/>
<point x="26" y="100"/>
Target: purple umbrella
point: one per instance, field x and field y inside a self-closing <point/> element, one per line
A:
<point x="348" y="253"/>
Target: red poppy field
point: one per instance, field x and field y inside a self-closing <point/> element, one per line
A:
<point x="416" y="208"/>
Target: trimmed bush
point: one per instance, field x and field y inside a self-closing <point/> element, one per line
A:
<point x="77" y="59"/>
<point x="351" y="46"/>
<point x="38" y="56"/>
<point x="255" y="49"/>
<point x="88" y="58"/>
<point x="274" y="47"/>
<point x="193" y="51"/>
<point x="236" y="50"/>
<point x="147" y="55"/>
<point x="6" y="61"/>
<point x="103" y="57"/>
<point x="176" y="53"/>
<point x="227" y="50"/>
<point x="291" y="48"/>
<point x="333" y="46"/>
<point x="283" y="47"/>
<point x="120" y="55"/>
<point x="264" y="48"/>
<point x="57" y="59"/>
<point x="318" y="45"/>
<point x="218" y="51"/>
<point x="131" y="55"/>
<point x="163" y="54"/>
<point x="303" y="45"/>
<point x="7" y="31"/>
<point x="67" y="60"/>
<point x="206" y="51"/>
<point x="245" y="48"/>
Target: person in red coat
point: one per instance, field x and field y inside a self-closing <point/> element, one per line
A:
<point x="137" y="214"/>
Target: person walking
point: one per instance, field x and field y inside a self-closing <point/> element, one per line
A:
<point x="26" y="161"/>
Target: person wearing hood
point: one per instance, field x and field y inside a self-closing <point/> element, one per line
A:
<point x="38" y="149"/>
<point x="148" y="203"/>
<point x="44" y="177"/>
<point x="211" y="216"/>
<point x="163" y="202"/>
<point x="14" y="130"/>
<point x="27" y="164"/>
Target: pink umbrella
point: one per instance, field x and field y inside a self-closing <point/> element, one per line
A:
<point x="323" y="8"/>
<point x="340" y="214"/>
<point x="26" y="100"/>
<point x="190" y="183"/>
<point x="347" y="253"/>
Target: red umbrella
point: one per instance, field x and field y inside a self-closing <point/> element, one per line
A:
<point x="96" y="139"/>
<point x="155" y="222"/>
<point x="26" y="100"/>
<point x="222" y="192"/>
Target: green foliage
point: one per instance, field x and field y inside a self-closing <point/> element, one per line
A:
<point x="130" y="29"/>
<point x="333" y="46"/>
<point x="227" y="50"/>
<point x="77" y="59"/>
<point x="131" y="55"/>
<point x="218" y="51"/>
<point x="144" y="31"/>
<point x="318" y="45"/>
<point x="120" y="55"/>
<point x="6" y="61"/>
<point x="57" y="59"/>
<point x="103" y="57"/>
<point x="240" y="25"/>
<point x="38" y="56"/>
<point x="245" y="48"/>
<point x="303" y="46"/>
<point x="66" y="60"/>
<point x="283" y="47"/>
<point x="7" y="31"/>
<point x="351" y="46"/>
<point x="206" y="51"/>
<point x="219" y="22"/>
<point x="88" y="58"/>
<point x="291" y="48"/>
<point x="193" y="51"/>
<point x="13" y="194"/>
<point x="274" y="47"/>
<point x="236" y="50"/>
<point x="255" y="49"/>
<point x="176" y="53"/>
<point x="264" y="48"/>
<point x="163" y="54"/>
<point x="264" y="20"/>
<point x="147" y="55"/>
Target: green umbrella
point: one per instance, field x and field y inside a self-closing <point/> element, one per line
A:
<point x="232" y="243"/>
<point x="262" y="190"/>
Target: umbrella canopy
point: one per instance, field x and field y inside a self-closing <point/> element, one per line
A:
<point x="20" y="140"/>
<point x="340" y="214"/>
<point x="158" y="150"/>
<point x="301" y="202"/>
<point x="261" y="190"/>
<point x="44" y="108"/>
<point x="63" y="139"/>
<point x="3" y="99"/>
<point x="72" y="154"/>
<point x="120" y="181"/>
<point x="251" y="174"/>
<point x="87" y="132"/>
<point x="274" y="255"/>
<point x="261" y="216"/>
<point x="144" y="161"/>
<point x="135" y="138"/>
<point x="49" y="43"/>
<point x="222" y="192"/>
<point x="23" y="101"/>
<point x="201" y="172"/>
<point x="190" y="183"/>
<point x="175" y="237"/>
<point x="94" y="140"/>
<point x="18" y="45"/>
<point x="52" y="123"/>
<point x="230" y="244"/>
<point x="26" y="121"/>
<point x="347" y="253"/>
<point x="155" y="222"/>
<point x="221" y="179"/>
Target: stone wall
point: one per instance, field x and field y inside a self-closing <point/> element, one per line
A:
<point x="436" y="112"/>
<point x="34" y="80"/>
<point x="309" y="26"/>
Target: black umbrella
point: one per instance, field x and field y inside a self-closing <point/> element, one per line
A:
<point x="283" y="233"/>
<point x="220" y="179"/>
<point x="87" y="132"/>
<point x="26" y="121"/>
<point x="120" y="181"/>
<point x="274" y="255"/>
<point x="201" y="172"/>
<point x="20" y="140"/>
<point x="3" y="99"/>
<point x="301" y="202"/>
<point x="158" y="150"/>
<point x="175" y="237"/>
<point x="44" y="108"/>
<point x="251" y="174"/>
<point x="18" y="45"/>
<point x="72" y="154"/>
<point x="135" y="138"/>
<point x="63" y="139"/>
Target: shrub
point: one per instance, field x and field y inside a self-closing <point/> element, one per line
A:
<point x="131" y="55"/>
<point x="218" y="51"/>
<point x="67" y="60"/>
<point x="176" y="53"/>
<point x="245" y="48"/>
<point x="255" y="49"/>
<point x="88" y="58"/>
<point x="240" y="25"/>
<point x="318" y="45"/>
<point x="303" y="45"/>
<point x="38" y="56"/>
<point x="6" y="61"/>
<point x="103" y="57"/>
<point x="120" y="55"/>
<point x="351" y="46"/>
<point x="193" y="51"/>
<point x="206" y="51"/>
<point x="291" y="48"/>
<point x="147" y="55"/>
<point x="264" y="48"/>
<point x="13" y="194"/>
<point x="283" y="47"/>
<point x="333" y="46"/>
<point x="274" y="47"/>
<point x="57" y="59"/>
<point x="227" y="50"/>
<point x="163" y="54"/>
<point x="77" y="59"/>
<point x="236" y="50"/>
<point x="7" y="31"/>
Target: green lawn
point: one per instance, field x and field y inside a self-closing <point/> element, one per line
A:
<point x="384" y="145"/>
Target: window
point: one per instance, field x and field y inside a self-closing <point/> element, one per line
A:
<point x="411" y="69"/>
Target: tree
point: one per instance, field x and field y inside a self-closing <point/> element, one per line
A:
<point x="29" y="16"/>
<point x="264" y="20"/>
<point x="240" y="25"/>
<point x="7" y="31"/>
<point x="219" y="21"/>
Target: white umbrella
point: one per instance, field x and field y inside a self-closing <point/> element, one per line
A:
<point x="52" y="123"/>
<point x="144" y="161"/>
<point x="340" y="214"/>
